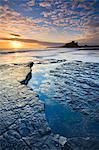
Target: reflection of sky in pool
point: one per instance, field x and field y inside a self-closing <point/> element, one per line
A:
<point x="64" y="87"/>
<point x="56" y="90"/>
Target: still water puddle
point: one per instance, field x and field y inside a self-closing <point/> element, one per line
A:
<point x="58" y="83"/>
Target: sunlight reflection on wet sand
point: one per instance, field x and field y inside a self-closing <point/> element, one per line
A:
<point x="23" y="56"/>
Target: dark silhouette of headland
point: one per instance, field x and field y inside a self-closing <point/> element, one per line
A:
<point x="74" y="44"/>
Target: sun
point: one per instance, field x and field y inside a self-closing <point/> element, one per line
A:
<point x="16" y="44"/>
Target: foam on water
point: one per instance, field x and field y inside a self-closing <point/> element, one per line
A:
<point x="8" y="56"/>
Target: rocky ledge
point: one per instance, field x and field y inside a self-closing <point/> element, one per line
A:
<point x="22" y="120"/>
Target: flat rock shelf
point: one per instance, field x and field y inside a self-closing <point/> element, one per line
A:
<point x="22" y="119"/>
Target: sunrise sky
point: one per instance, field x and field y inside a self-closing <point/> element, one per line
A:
<point x="33" y="23"/>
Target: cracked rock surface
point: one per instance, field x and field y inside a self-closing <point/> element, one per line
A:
<point x="22" y="120"/>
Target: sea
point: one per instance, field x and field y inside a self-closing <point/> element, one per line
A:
<point x="66" y="80"/>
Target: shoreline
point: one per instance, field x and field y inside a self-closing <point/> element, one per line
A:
<point x="23" y="124"/>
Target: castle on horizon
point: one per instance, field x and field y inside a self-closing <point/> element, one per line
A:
<point x="71" y="44"/>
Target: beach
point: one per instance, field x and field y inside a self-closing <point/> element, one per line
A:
<point x="42" y="100"/>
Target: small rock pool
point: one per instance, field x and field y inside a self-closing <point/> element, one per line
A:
<point x="70" y="91"/>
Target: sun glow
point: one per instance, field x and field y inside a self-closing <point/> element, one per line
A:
<point x="16" y="44"/>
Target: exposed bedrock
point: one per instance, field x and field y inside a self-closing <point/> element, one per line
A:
<point x="22" y="120"/>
